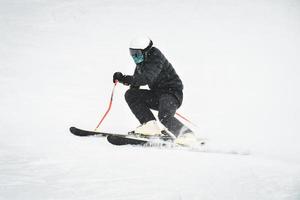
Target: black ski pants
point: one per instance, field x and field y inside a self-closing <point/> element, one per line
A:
<point x="141" y="101"/>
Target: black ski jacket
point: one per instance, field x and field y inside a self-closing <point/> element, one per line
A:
<point x="156" y="72"/>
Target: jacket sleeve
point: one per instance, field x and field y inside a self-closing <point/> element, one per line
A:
<point x="131" y="85"/>
<point x="151" y="70"/>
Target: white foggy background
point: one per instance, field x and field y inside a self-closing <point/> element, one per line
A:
<point x="239" y="62"/>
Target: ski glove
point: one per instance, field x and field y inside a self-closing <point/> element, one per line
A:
<point x="126" y="80"/>
<point x="117" y="76"/>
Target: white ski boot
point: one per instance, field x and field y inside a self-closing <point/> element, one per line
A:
<point x="189" y="139"/>
<point x="150" y="128"/>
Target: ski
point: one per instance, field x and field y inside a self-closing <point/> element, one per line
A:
<point x="126" y="140"/>
<point x="85" y="133"/>
<point x="113" y="138"/>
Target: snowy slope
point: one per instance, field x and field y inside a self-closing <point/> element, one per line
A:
<point x="86" y="169"/>
<point x="240" y="66"/>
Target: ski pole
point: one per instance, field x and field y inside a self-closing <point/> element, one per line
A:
<point x="184" y="118"/>
<point x="109" y="106"/>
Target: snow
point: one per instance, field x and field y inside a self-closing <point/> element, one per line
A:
<point x="240" y="67"/>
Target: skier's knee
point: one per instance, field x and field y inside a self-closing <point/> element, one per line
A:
<point x="130" y="94"/>
<point x="127" y="94"/>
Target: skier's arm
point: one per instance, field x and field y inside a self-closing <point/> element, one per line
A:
<point x="150" y="72"/>
<point x="145" y="78"/>
<point x="151" y="69"/>
<point x="125" y="79"/>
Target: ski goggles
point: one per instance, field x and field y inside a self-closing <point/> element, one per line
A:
<point x="137" y="55"/>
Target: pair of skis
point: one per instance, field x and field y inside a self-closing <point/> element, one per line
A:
<point x="123" y="139"/>
<point x="133" y="139"/>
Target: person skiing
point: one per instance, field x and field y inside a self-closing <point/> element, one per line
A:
<point x="164" y="95"/>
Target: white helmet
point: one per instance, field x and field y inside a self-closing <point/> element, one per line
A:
<point x="141" y="42"/>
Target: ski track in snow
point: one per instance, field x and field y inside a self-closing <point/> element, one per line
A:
<point x="240" y="66"/>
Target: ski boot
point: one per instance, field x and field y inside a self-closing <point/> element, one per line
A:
<point x="149" y="129"/>
<point x="189" y="139"/>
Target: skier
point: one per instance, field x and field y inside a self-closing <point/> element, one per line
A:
<point x="164" y="94"/>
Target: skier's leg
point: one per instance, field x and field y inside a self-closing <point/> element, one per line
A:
<point x="140" y="102"/>
<point x="168" y="105"/>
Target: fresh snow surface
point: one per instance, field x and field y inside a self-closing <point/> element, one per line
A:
<point x="238" y="59"/>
